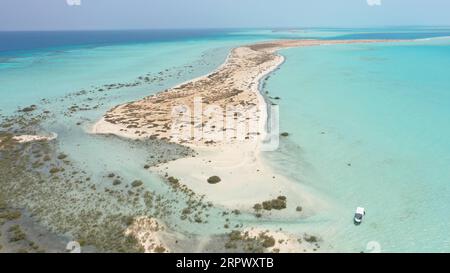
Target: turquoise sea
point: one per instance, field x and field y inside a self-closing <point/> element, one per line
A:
<point x="368" y="124"/>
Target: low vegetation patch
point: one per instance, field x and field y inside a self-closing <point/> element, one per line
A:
<point x="173" y="180"/>
<point x="54" y="170"/>
<point x="250" y="243"/>
<point x="62" y="156"/>
<point x="214" y="179"/>
<point x="10" y="215"/>
<point x="277" y="204"/>
<point x="30" y="108"/>
<point x="16" y="234"/>
<point x="137" y="183"/>
<point x="310" y="238"/>
<point x="116" y="182"/>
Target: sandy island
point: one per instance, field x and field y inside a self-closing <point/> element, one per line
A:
<point x="245" y="177"/>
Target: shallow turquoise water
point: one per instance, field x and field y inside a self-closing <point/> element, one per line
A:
<point x="28" y="78"/>
<point x="383" y="109"/>
<point x="370" y="128"/>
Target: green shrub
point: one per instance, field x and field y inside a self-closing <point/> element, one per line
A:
<point x="267" y="205"/>
<point x="268" y="241"/>
<point x="30" y="108"/>
<point x="214" y="179"/>
<point x="129" y="220"/>
<point x="3" y="204"/>
<point x="10" y="215"/>
<point x="62" y="156"/>
<point x="136" y="183"/>
<point x="172" y="180"/>
<point x="235" y="235"/>
<point x="159" y="249"/>
<point x="279" y="203"/>
<point x="16" y="234"/>
<point x="230" y="245"/>
<point x="54" y="170"/>
<point x="257" y="207"/>
<point x="310" y="238"/>
<point x="116" y="182"/>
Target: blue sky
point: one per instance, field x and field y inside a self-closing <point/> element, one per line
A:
<point x="138" y="14"/>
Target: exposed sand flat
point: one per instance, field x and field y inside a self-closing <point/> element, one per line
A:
<point x="8" y="139"/>
<point x="31" y="138"/>
<point x="246" y="179"/>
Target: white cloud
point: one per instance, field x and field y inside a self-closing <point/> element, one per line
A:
<point x="374" y="2"/>
<point x="73" y="2"/>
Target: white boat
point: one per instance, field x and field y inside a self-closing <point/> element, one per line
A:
<point x="360" y="212"/>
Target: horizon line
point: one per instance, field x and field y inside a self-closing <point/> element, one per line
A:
<point x="224" y="28"/>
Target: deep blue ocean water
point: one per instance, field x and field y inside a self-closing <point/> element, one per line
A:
<point x="33" y="40"/>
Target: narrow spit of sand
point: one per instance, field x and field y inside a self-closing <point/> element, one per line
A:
<point x="246" y="179"/>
